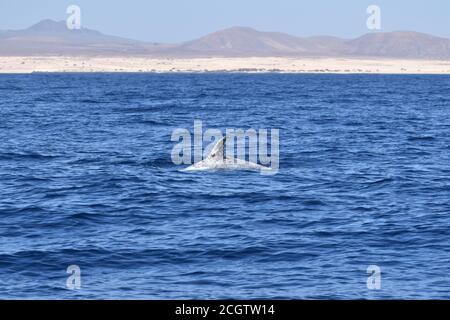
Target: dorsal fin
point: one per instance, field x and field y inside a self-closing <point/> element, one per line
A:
<point x="217" y="152"/>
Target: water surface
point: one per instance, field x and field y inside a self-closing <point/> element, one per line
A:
<point x="86" y="178"/>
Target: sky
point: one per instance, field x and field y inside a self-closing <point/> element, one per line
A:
<point x="182" y="20"/>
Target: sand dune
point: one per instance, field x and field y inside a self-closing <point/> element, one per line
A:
<point x="251" y="64"/>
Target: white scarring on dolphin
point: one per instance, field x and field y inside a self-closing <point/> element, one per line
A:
<point x="216" y="160"/>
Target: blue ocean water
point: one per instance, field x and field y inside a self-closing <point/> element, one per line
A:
<point x="86" y="179"/>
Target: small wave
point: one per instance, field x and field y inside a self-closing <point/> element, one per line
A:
<point x="422" y="138"/>
<point x="314" y="202"/>
<point x="153" y="122"/>
<point x="25" y="156"/>
<point x="380" y="181"/>
<point x="90" y="101"/>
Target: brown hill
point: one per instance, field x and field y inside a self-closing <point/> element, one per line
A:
<point x="49" y="37"/>
<point x="53" y="38"/>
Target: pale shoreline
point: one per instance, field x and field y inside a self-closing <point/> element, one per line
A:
<point x="251" y="64"/>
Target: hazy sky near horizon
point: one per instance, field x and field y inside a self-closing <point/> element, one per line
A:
<point x="181" y="20"/>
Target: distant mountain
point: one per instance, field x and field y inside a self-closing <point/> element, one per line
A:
<point x="243" y="41"/>
<point x="49" y="37"/>
<point x="53" y="38"/>
<point x="401" y="44"/>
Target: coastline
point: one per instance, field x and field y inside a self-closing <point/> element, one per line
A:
<point x="58" y="64"/>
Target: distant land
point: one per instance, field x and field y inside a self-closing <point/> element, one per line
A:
<point x="50" y="38"/>
<point x="49" y="46"/>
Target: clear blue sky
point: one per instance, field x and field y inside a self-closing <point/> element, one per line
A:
<point x="179" y="20"/>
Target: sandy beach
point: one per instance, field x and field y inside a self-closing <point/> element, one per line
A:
<point x="251" y="64"/>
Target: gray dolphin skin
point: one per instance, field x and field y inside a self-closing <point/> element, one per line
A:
<point x="216" y="160"/>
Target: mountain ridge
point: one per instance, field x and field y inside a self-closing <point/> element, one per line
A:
<point x="49" y="37"/>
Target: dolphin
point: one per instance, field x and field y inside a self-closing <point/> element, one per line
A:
<point x="216" y="160"/>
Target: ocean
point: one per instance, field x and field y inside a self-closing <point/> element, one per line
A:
<point x="87" y="181"/>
